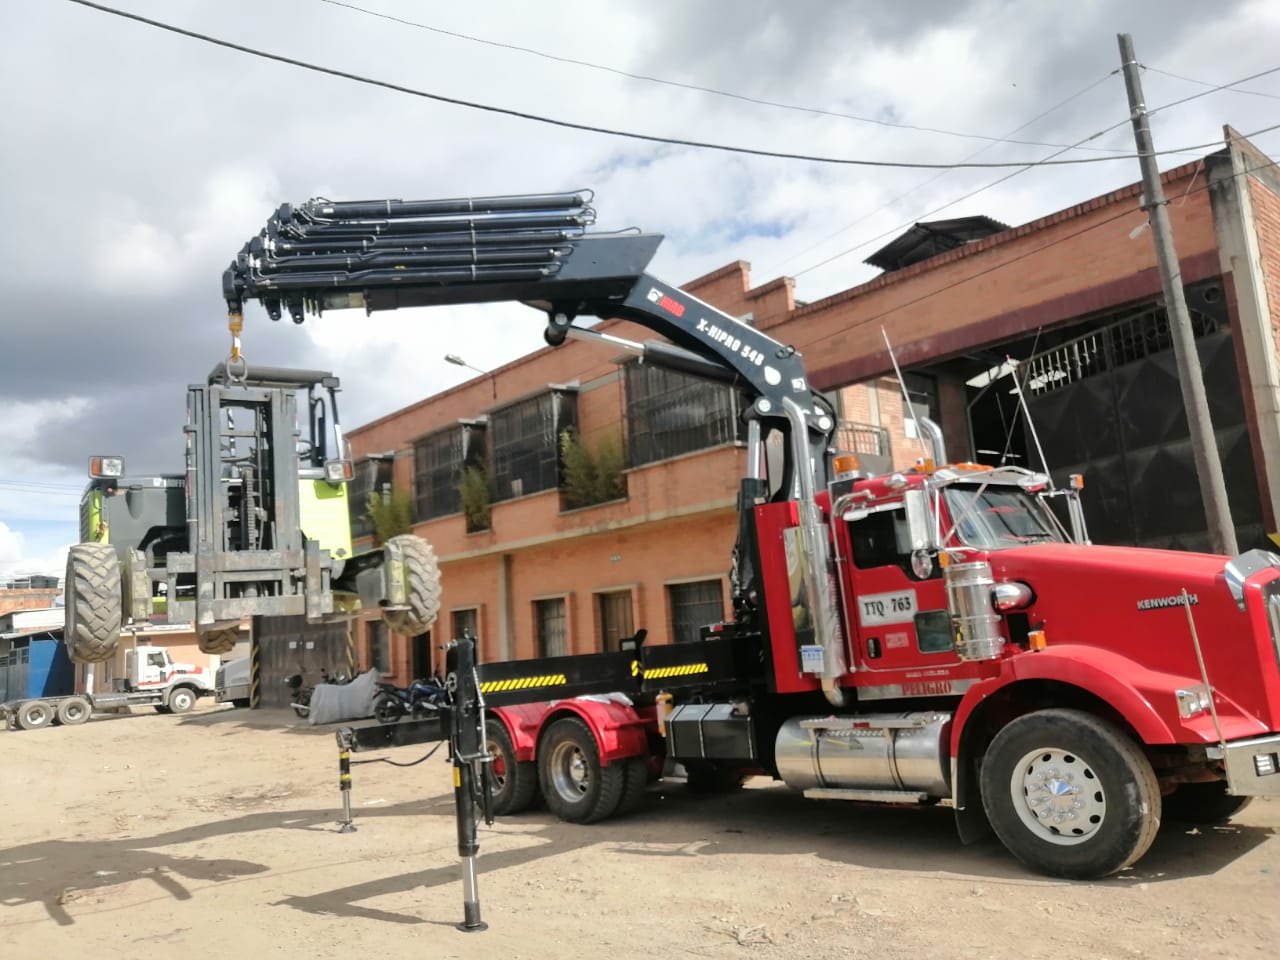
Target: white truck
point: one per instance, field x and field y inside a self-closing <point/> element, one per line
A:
<point x="37" y="684"/>
<point x="231" y="682"/>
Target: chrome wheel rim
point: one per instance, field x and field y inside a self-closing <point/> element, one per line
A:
<point x="570" y="774"/>
<point x="1058" y="796"/>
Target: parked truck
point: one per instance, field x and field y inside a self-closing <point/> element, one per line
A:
<point x="933" y="634"/>
<point x="38" y="684"/>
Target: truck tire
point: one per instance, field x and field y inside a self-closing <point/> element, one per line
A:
<point x="1069" y="794"/>
<point x="1205" y="803"/>
<point x="515" y="784"/>
<point x="633" y="788"/>
<point x="35" y="714"/>
<point x="421" y="585"/>
<point x="577" y="788"/>
<point x="74" y="711"/>
<point x="181" y="700"/>
<point x="93" y="602"/>
<point x="219" y="641"/>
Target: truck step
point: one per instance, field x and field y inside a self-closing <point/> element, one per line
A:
<point x="866" y="796"/>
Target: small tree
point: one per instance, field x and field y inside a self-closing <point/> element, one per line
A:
<point x="476" y="498"/>
<point x="592" y="476"/>
<point x="391" y="512"/>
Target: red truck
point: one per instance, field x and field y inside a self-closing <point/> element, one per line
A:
<point x="930" y="635"/>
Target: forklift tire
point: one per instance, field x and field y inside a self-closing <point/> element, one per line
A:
<point x="219" y="642"/>
<point x="74" y="711"/>
<point x="181" y="700"/>
<point x="577" y="788"/>
<point x="421" y="585"/>
<point x="1205" y="803"/>
<point x="35" y="714"/>
<point x="515" y="784"/>
<point x="93" y="602"/>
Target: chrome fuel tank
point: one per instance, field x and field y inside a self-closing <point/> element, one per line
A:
<point x="899" y="751"/>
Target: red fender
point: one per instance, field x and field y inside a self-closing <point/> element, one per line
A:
<point x="620" y="731"/>
<point x="1130" y="688"/>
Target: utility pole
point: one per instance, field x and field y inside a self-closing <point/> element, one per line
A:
<point x="1204" y="447"/>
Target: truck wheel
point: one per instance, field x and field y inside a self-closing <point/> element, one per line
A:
<point x="93" y="602"/>
<point x="219" y="641"/>
<point x="1069" y="794"/>
<point x="35" y="714"/>
<point x="515" y="784"/>
<point x="576" y="786"/>
<point x="181" y="700"/>
<point x="421" y="585"/>
<point x="1202" y="803"/>
<point x="633" y="788"/>
<point x="74" y="711"/>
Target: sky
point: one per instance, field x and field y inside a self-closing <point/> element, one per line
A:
<point x="136" y="162"/>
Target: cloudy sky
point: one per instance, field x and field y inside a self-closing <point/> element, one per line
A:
<point x="137" y="162"/>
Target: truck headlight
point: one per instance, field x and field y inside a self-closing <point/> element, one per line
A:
<point x="1193" y="700"/>
<point x="338" y="471"/>
<point x="101" y="467"/>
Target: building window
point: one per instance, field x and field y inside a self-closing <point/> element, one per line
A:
<point x="615" y="618"/>
<point x="552" y="627"/>
<point x="465" y="623"/>
<point x="694" y="606"/>
<point x="671" y="413"/>
<point x="438" y="463"/>
<point x="372" y="475"/>
<point x="526" y="443"/>
<point x="379" y="646"/>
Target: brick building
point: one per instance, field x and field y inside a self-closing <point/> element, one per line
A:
<point x="1074" y="297"/>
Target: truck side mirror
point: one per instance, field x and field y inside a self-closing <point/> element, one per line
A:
<point x="920" y="527"/>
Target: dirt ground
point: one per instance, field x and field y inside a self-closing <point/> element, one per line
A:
<point x="151" y="836"/>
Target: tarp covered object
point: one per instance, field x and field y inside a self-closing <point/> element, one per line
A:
<point x="331" y="703"/>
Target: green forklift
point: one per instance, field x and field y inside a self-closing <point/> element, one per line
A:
<point x="258" y="524"/>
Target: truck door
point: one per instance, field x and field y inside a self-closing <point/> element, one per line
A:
<point x="153" y="669"/>
<point x="898" y="618"/>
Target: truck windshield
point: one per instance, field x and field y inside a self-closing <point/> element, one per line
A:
<point x="991" y="518"/>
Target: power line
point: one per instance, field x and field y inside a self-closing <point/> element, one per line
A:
<point x="1221" y="86"/>
<point x="799" y="108"/>
<point x="938" y="176"/>
<point x="1028" y="253"/>
<point x="588" y="128"/>
<point x="1205" y="83"/>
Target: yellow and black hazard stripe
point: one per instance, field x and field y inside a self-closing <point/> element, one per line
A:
<point x="684" y="670"/>
<point x="523" y="683"/>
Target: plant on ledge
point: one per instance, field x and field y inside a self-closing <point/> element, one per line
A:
<point x="592" y="476"/>
<point x="391" y="513"/>
<point x="476" y="498"/>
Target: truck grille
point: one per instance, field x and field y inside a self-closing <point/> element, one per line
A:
<point x="1272" y="593"/>
<point x="218" y="677"/>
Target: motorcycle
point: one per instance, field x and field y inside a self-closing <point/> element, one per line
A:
<point x="420" y="699"/>
<point x="300" y="701"/>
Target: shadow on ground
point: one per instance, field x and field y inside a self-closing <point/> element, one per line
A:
<point x="676" y="824"/>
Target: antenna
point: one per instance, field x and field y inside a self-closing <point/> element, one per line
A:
<point x="906" y="398"/>
<point x="1026" y="412"/>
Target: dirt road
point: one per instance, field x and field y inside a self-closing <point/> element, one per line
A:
<point x="213" y="834"/>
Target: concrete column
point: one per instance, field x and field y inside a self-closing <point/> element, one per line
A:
<point x="506" y="610"/>
<point x="1240" y="256"/>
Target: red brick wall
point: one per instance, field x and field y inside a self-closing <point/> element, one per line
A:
<point x="1266" y="219"/>
<point x="11" y="600"/>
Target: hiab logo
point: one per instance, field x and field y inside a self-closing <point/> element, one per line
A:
<point x="673" y="307"/>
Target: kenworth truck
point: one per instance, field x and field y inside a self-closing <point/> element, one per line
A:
<point x="930" y="635"/>
<point x="258" y="524"/>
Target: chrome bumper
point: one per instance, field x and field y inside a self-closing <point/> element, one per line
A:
<point x="1253" y="766"/>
